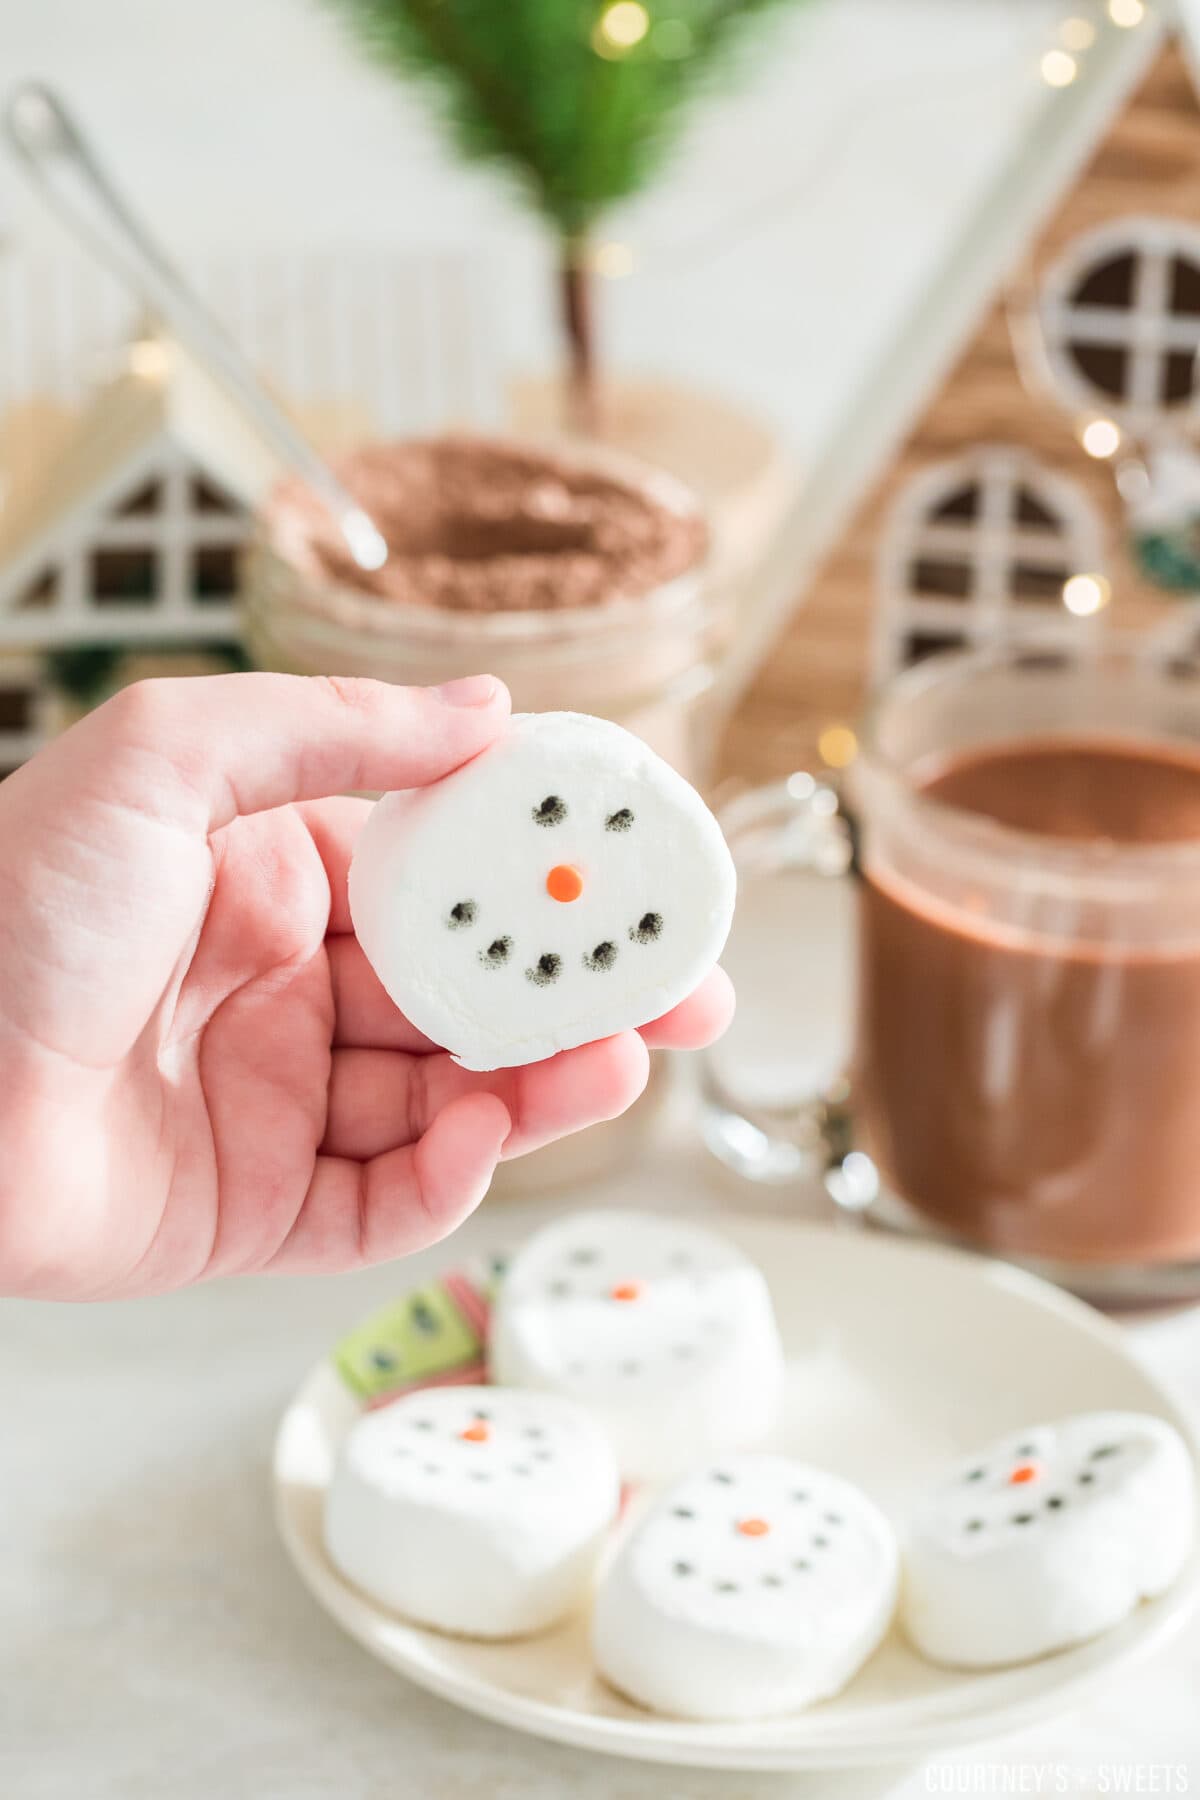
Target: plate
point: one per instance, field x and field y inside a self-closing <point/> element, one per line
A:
<point x="901" y="1357"/>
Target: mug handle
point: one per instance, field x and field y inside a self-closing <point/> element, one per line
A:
<point x="799" y="824"/>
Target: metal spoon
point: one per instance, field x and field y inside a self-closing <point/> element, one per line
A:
<point x="57" y="157"/>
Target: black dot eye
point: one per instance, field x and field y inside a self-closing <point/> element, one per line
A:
<point x="497" y="952"/>
<point x="648" y="927"/>
<point x="720" y="1475"/>
<point x="682" y="1568"/>
<point x="619" y="821"/>
<point x="551" y="811"/>
<point x="682" y="1512"/>
<point x="976" y="1474"/>
<point x="1055" y="1501"/>
<point x="479" y="1414"/>
<point x="1026" y="1449"/>
<point x="1103" y="1450"/>
<point x="461" y="914"/>
<point x="547" y="970"/>
<point x="800" y="1494"/>
<point x="602" y="957"/>
<point x="382" y="1359"/>
<point x="424" y="1318"/>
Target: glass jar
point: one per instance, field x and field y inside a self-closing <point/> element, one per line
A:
<point x="646" y="662"/>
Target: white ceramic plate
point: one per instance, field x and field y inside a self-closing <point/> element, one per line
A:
<point x="901" y="1356"/>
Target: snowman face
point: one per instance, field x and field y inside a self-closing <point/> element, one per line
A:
<point x="611" y="1301"/>
<point x="1038" y="1480"/>
<point x="563" y="885"/>
<point x="763" y="1547"/>
<point x="481" y="1450"/>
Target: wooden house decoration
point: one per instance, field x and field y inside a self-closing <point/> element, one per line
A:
<point x="129" y="539"/>
<point x="987" y="483"/>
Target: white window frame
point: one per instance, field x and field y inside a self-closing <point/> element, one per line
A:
<point x="1147" y="328"/>
<point x="990" y="544"/>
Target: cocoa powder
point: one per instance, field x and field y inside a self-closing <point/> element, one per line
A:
<point x="481" y="525"/>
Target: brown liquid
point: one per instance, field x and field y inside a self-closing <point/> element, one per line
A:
<point x="1039" y="1095"/>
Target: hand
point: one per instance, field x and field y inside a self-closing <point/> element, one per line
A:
<point x="199" y="1072"/>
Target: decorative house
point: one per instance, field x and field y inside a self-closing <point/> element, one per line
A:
<point x="127" y="540"/>
<point x="1020" y="460"/>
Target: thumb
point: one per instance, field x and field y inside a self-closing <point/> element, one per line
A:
<point x="235" y="744"/>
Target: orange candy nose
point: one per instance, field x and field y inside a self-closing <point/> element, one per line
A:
<point x="564" y="882"/>
<point x="1024" y="1472"/>
<point x="753" y="1527"/>
<point x="476" y="1434"/>
<point x="627" y="1290"/>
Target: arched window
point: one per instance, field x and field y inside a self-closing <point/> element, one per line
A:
<point x="980" y="549"/>
<point x="1119" y="318"/>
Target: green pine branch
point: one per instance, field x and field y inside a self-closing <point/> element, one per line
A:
<point x="519" y="84"/>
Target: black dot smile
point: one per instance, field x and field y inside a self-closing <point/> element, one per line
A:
<point x="602" y="957"/>
<point x="497" y="953"/>
<point x="648" y="927"/>
<point x="548" y="969"/>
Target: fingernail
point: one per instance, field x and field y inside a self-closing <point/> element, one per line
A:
<point x="468" y="690"/>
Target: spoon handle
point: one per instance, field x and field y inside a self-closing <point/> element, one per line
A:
<point x="62" y="165"/>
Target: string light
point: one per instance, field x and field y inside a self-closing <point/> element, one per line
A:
<point x="149" y="359"/>
<point x="1101" y="438"/>
<point x="1085" y="594"/>
<point x="838" y="746"/>
<point x="1059" y="69"/>
<point x="619" y="27"/>
<point x="1126" y="13"/>
<point x="1077" y="34"/>
<point x="613" y="260"/>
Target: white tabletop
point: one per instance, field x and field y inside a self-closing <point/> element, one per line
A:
<point x="156" y="1642"/>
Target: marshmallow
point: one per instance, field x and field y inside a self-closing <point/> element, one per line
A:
<point x="754" y="1587"/>
<point x="1046" y="1538"/>
<point x="660" y="1328"/>
<point x="472" y="1510"/>
<point x="564" y="885"/>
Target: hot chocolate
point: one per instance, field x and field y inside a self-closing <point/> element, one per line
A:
<point x="1033" y="1083"/>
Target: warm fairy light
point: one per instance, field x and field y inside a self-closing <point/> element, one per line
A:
<point x="612" y="260"/>
<point x="148" y="359"/>
<point x="1085" y="594"/>
<point x="1126" y="12"/>
<point x="1101" y="437"/>
<point x="1059" y="69"/>
<point x="619" y="27"/>
<point x="1077" y="34"/>
<point x="838" y="746"/>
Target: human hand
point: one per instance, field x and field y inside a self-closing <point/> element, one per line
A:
<point x="199" y="1071"/>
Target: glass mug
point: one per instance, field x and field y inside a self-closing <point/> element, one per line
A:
<point x="1021" y="832"/>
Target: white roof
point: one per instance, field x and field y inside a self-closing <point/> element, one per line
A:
<point x="133" y="426"/>
<point x="929" y="338"/>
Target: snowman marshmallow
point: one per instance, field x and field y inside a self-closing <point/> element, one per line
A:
<point x="1046" y="1538"/>
<point x="754" y="1587"/>
<point x="565" y="885"/>
<point x="661" y="1329"/>
<point x="472" y="1510"/>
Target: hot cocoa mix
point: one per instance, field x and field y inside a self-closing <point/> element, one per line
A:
<point x="1037" y="1093"/>
<point x="479" y="525"/>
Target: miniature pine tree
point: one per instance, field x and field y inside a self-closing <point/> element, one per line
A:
<point x="579" y="100"/>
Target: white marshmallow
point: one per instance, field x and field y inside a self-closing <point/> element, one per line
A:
<point x="1046" y="1538"/>
<point x="755" y="1587"/>
<point x="659" y="1327"/>
<point x="449" y="897"/>
<point x="472" y="1510"/>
